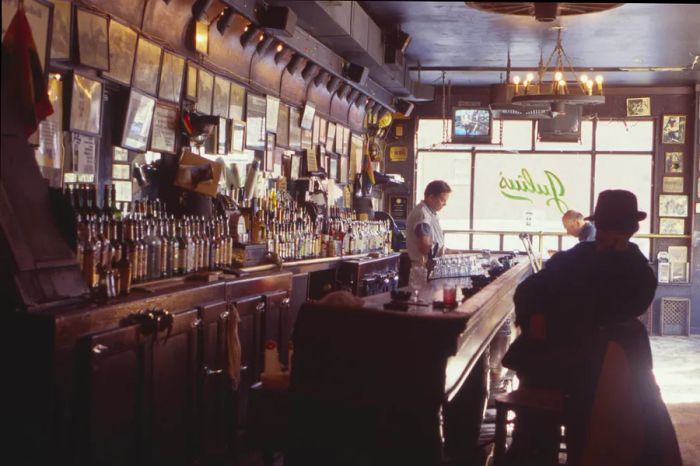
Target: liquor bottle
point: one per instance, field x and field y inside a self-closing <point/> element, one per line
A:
<point x="173" y="248"/>
<point x="182" y="252"/>
<point x="164" y="248"/>
<point x="204" y="265"/>
<point x="115" y="241"/>
<point x="106" y="210"/>
<point x="153" y="245"/>
<point x="142" y="266"/>
<point x="125" y="270"/>
<point x="116" y="213"/>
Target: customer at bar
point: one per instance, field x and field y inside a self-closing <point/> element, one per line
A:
<point x="585" y="298"/>
<point x="576" y="225"/>
<point x="424" y="235"/>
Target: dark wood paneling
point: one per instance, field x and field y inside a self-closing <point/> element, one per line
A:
<point x="169" y="23"/>
<point x="265" y="73"/>
<point x="227" y="53"/>
<point x="130" y="11"/>
<point x="356" y="116"/>
<point x="292" y="89"/>
<point x="321" y="98"/>
<point x="339" y="109"/>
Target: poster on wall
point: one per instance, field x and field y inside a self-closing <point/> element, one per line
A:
<point x="164" y="128"/>
<point x="83" y="154"/>
<point x="137" y="126"/>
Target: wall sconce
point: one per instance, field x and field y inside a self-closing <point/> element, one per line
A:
<point x="200" y="7"/>
<point x="309" y="70"/>
<point x="225" y="19"/>
<point x="201" y="37"/>
<point x="295" y="64"/>
<point x="264" y="44"/>
<point x="249" y="36"/>
<point x="333" y="84"/>
<point x="280" y="52"/>
<point x="344" y="91"/>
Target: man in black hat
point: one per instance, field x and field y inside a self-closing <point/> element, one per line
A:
<point x="562" y="309"/>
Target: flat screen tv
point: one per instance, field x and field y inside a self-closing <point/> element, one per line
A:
<point x="471" y="124"/>
<point x="562" y="128"/>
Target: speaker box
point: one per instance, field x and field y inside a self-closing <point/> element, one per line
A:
<point x="280" y="18"/>
<point x="404" y="107"/>
<point x="357" y="73"/>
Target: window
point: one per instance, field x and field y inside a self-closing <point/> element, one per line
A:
<point x="455" y="168"/>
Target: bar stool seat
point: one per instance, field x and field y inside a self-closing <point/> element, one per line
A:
<point x="541" y="402"/>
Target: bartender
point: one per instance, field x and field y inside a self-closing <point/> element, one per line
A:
<point x="424" y="235"/>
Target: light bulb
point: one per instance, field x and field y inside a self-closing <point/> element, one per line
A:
<point x="245" y="29"/>
<point x="558" y="76"/>
<point x="562" y="83"/>
<point x="599" y="82"/>
<point x="584" y="79"/>
<point x="280" y="48"/>
<point x="589" y="86"/>
<point x="516" y="80"/>
<point x="262" y="36"/>
<point x="529" y="77"/>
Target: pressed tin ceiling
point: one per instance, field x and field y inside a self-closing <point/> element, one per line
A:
<point x="657" y="43"/>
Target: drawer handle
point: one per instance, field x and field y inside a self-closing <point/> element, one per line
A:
<point x="208" y="371"/>
<point x="99" y="349"/>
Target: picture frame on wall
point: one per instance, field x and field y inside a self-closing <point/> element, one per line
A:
<point x="671" y="226"/>
<point x="316" y="131"/>
<point x="171" y="76"/>
<point x="93" y="43"/>
<point x="673" y="129"/>
<point x="38" y="13"/>
<point x="322" y="126"/>
<point x="307" y="118"/>
<point x="330" y="137"/>
<point x="191" y="87"/>
<point x="269" y="151"/>
<point x="679" y="272"/>
<point x="639" y="106"/>
<point x="147" y="66"/>
<point x="222" y="91"/>
<point x="237" y="136"/>
<point x="137" y="124"/>
<point x="165" y="126"/>
<point x="310" y="161"/>
<point x="122" y="49"/>
<point x="306" y="137"/>
<point x="294" y="129"/>
<point x="673" y="162"/>
<point x="61" y="34"/>
<point x="86" y="105"/>
<point x="205" y="91"/>
<point x="673" y="205"/>
<point x="672" y="184"/>
<point x="236" y="102"/>
<point x="333" y="167"/>
<point x="222" y="133"/>
<point x="294" y="171"/>
<point x="256" y="107"/>
<point x="283" y="126"/>
<point x="343" y="173"/>
<point x="272" y="110"/>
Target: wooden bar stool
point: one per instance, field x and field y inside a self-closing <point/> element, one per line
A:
<point x="540" y="402"/>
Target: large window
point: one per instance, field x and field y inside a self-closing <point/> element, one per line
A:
<point x="522" y="184"/>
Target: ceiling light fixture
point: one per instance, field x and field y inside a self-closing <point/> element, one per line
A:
<point x="556" y="91"/>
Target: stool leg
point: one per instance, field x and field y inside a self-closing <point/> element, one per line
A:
<point x="499" y="447"/>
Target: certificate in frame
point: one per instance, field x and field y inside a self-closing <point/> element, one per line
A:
<point x="147" y="66"/>
<point x="122" y="48"/>
<point x="93" y="39"/>
<point x="222" y="90"/>
<point x="256" y="108"/>
<point x="171" y="76"/>
<point x="137" y="125"/>
<point x="307" y="119"/>
<point x="86" y="105"/>
<point x="164" y="131"/>
<point x="272" y="111"/>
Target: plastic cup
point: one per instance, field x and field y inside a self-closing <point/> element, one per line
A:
<point x="449" y="295"/>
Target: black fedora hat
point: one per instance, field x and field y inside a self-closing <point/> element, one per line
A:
<point x="616" y="209"/>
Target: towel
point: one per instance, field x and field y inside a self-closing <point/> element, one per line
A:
<point x="233" y="346"/>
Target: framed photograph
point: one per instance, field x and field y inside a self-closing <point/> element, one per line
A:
<point x="165" y="121"/>
<point x="307" y="119"/>
<point x="191" y="88"/>
<point x="236" y="102"/>
<point x="639" y="107"/>
<point x="673" y="129"/>
<point x="137" y="126"/>
<point x="272" y="114"/>
<point x="119" y="154"/>
<point x="84" y="155"/>
<point x="61" y="33"/>
<point x="122" y="48"/>
<point x="674" y="162"/>
<point x="93" y="46"/>
<point x="664" y="272"/>
<point x="315" y="135"/>
<point x="330" y="137"/>
<point x="679" y="272"/>
<point x="171" y="73"/>
<point x="311" y="161"/>
<point x="678" y="254"/>
<point x="269" y="151"/>
<point x="294" y="129"/>
<point x="283" y="126"/>
<point x="121" y="171"/>
<point x="343" y="174"/>
<point x="256" y="108"/>
<point x="205" y="91"/>
<point x="147" y="66"/>
<point x="294" y="172"/>
<point x="124" y="191"/>
<point x="673" y="205"/>
<point x="355" y="153"/>
<point x="86" y="105"/>
<point x="237" y="136"/>
<point x="222" y="89"/>
<point x="672" y="184"/>
<point x="306" y="135"/>
<point x="322" y="125"/>
<point x="277" y="163"/>
<point x="222" y="141"/>
<point x="333" y="167"/>
<point x="671" y="226"/>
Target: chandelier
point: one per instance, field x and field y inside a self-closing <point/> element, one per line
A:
<point x="562" y="88"/>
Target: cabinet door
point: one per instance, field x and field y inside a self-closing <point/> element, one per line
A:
<point x="215" y="395"/>
<point x="173" y="374"/>
<point x="277" y="325"/>
<point x="115" y="396"/>
<point x="250" y="311"/>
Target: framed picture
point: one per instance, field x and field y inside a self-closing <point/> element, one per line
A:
<point x="119" y="154"/>
<point x="677" y="254"/>
<point x="315" y="135"/>
<point x="294" y="129"/>
<point x="222" y="90"/>
<point x="236" y="102"/>
<point x="343" y="174"/>
<point x="256" y="108"/>
<point x="122" y="48"/>
<point x="671" y="226"/>
<point x="277" y="163"/>
<point x="93" y="46"/>
<point x="191" y="88"/>
<point x="147" y="66"/>
<point x="121" y="171"/>
<point x="205" y="91"/>
<point x="322" y="124"/>
<point x="639" y="106"/>
<point x="171" y="72"/>
<point x="339" y="134"/>
<point x="679" y="272"/>
<point x="306" y="135"/>
<point x="86" y="105"/>
<point x="84" y="156"/>
<point x="311" y="161"/>
<point x="137" y="126"/>
<point x="333" y="167"/>
<point x="673" y="129"/>
<point x="124" y="191"/>
<point x="61" y="33"/>
<point x="237" y="136"/>
<point x="222" y="141"/>
<point x="307" y="119"/>
<point x="673" y="205"/>
<point x="294" y="172"/>
<point x="269" y="151"/>
<point x="330" y="137"/>
<point x="672" y="184"/>
<point x="272" y="110"/>
<point x="283" y="126"/>
<point x="346" y="140"/>
<point x="164" y="136"/>
<point x="664" y="272"/>
<point x="674" y="162"/>
<point x="355" y="154"/>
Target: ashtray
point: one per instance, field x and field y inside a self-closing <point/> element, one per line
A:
<point x="400" y="295"/>
<point x="442" y="305"/>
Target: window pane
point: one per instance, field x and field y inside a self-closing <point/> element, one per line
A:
<point x="455" y="169"/>
<point x="625" y="135"/>
<point x="517" y="135"/>
<point x="517" y="192"/>
<point x="457" y="240"/>
<point x="431" y="132"/>
<point x="585" y="144"/>
<point x="489" y="242"/>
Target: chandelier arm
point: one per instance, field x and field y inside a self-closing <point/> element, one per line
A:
<point x="571" y="66"/>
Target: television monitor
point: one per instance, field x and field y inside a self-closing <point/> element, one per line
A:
<point x="562" y="128"/>
<point x="471" y="125"/>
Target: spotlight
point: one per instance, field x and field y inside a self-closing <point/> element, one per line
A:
<point x="295" y="64"/>
<point x="404" y="107"/>
<point x="370" y="105"/>
<point x="200" y="7"/>
<point x="225" y="20"/>
<point x="356" y="73"/>
<point x="264" y="44"/>
<point x="250" y="35"/>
